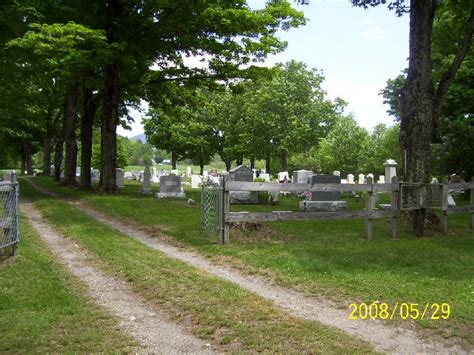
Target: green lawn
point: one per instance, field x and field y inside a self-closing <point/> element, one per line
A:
<point x="220" y="312"/>
<point x="44" y="309"/>
<point x="329" y="258"/>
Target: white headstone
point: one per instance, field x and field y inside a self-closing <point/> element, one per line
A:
<point x="189" y="171"/>
<point x="336" y="173"/>
<point x="265" y="177"/>
<point x="95" y="175"/>
<point x="205" y="174"/>
<point x="195" y="181"/>
<point x="350" y="179"/>
<point x="174" y="172"/>
<point x="451" y="202"/>
<point x="301" y="176"/>
<point x="283" y="176"/>
<point x="390" y="170"/>
<point x="78" y="171"/>
<point x="361" y="179"/>
<point x="370" y="175"/>
<point x="381" y="179"/>
<point x="128" y="175"/>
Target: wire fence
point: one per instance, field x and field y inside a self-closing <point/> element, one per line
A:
<point x="9" y="216"/>
<point x="211" y="196"/>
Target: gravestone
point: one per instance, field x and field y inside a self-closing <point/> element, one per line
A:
<point x="205" y="174"/>
<point x="370" y="175"/>
<point x="283" y="176"/>
<point x="173" y="172"/>
<point x="146" y="189"/>
<point x="195" y="181"/>
<point x="324" y="201"/>
<point x="390" y="170"/>
<point x="170" y="186"/>
<point x="302" y="176"/>
<point x="265" y="177"/>
<point x="361" y="179"/>
<point x="7" y="175"/>
<point x="95" y="175"/>
<point x="244" y="174"/>
<point x="78" y="171"/>
<point x="381" y="179"/>
<point x="128" y="175"/>
<point x="350" y="179"/>
<point x="189" y="171"/>
<point x="119" y="177"/>
<point x="336" y="173"/>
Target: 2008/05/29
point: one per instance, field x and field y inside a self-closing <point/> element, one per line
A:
<point x="375" y="310"/>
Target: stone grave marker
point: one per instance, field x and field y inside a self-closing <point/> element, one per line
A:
<point x="390" y="170"/>
<point x="189" y="171"/>
<point x="170" y="186"/>
<point x="361" y="179"/>
<point x="265" y="177"/>
<point x="244" y="174"/>
<point x="95" y="175"/>
<point x="381" y="179"/>
<point x="195" y="181"/>
<point x="146" y="189"/>
<point x="283" y="176"/>
<point x="302" y="176"/>
<point x="350" y="179"/>
<point x="322" y="200"/>
<point x="119" y="177"/>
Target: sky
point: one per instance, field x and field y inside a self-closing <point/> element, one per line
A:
<point x="358" y="51"/>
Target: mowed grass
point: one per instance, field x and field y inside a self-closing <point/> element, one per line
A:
<point x="220" y="312"/>
<point x="329" y="258"/>
<point x="44" y="309"/>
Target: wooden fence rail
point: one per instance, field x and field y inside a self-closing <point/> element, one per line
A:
<point x="369" y="213"/>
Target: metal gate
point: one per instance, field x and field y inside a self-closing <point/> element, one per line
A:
<point x="212" y="204"/>
<point x="9" y="216"/>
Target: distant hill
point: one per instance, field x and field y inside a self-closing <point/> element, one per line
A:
<point x="140" y="137"/>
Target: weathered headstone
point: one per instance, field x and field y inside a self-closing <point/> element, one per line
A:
<point x="195" y="181"/>
<point x="119" y="177"/>
<point x="128" y="175"/>
<point x="283" y="176"/>
<point x="95" y="175"/>
<point x="189" y="171"/>
<point x="390" y="169"/>
<point x="170" y="186"/>
<point x="146" y="189"/>
<point x="265" y="177"/>
<point x="370" y="175"/>
<point x="381" y="179"/>
<point x="361" y="179"/>
<point x="244" y="174"/>
<point x="173" y="172"/>
<point x="302" y="176"/>
<point x="322" y="200"/>
<point x="350" y="179"/>
<point x="7" y="175"/>
<point x="336" y="173"/>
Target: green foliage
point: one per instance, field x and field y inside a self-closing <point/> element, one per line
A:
<point x="342" y="149"/>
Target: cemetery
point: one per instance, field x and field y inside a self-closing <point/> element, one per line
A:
<point x="197" y="177"/>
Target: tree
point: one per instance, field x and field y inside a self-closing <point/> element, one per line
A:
<point x="421" y="100"/>
<point x="342" y="148"/>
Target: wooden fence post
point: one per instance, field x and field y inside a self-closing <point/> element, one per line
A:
<point x="368" y="207"/>
<point x="394" y="199"/>
<point x="226" y="208"/>
<point x="471" y="203"/>
<point x="444" y="204"/>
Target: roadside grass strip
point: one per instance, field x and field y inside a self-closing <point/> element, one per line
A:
<point x="322" y="258"/>
<point x="222" y="313"/>
<point x="43" y="308"/>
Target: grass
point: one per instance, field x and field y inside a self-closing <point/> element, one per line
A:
<point x="44" y="309"/>
<point x="329" y="258"/>
<point x="220" y="312"/>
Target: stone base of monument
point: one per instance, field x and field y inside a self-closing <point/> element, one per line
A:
<point x="170" y="195"/>
<point x="145" y="191"/>
<point x="322" y="206"/>
<point x="243" y="197"/>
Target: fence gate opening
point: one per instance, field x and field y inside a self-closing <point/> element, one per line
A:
<point x="212" y="204"/>
<point x="9" y="214"/>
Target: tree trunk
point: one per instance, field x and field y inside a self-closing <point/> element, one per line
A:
<point x="48" y="144"/>
<point x="26" y="159"/>
<point x="174" y="160"/>
<point x="110" y="120"/>
<point x="87" y="124"/>
<point x="201" y="167"/>
<point x="267" y="163"/>
<point x="228" y="164"/>
<point x="110" y="114"/>
<point x="240" y="161"/>
<point x="417" y="109"/>
<point x="58" y="152"/>
<point x="284" y="160"/>
<point x="70" y="107"/>
<point x="252" y="163"/>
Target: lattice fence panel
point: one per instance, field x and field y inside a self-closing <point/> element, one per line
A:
<point x="9" y="233"/>
<point x="211" y="206"/>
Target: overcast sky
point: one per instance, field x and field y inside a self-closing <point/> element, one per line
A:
<point x="358" y="50"/>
